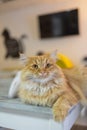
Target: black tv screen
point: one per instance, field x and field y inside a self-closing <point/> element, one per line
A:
<point x="59" y="24"/>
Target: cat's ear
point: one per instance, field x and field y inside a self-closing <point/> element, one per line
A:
<point x="23" y="59"/>
<point x="53" y="55"/>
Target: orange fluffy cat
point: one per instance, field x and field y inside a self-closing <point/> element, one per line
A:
<point x="42" y="82"/>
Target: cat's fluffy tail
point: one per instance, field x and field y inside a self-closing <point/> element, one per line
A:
<point x="76" y="80"/>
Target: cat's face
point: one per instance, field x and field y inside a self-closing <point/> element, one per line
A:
<point x="39" y="68"/>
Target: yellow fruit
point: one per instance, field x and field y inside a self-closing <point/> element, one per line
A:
<point x="64" y="62"/>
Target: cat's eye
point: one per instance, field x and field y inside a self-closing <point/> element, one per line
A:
<point x="48" y="65"/>
<point x="35" y="66"/>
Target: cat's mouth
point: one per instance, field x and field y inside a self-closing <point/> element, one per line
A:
<point x="43" y="78"/>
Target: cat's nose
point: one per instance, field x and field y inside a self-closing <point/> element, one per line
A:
<point x="43" y="74"/>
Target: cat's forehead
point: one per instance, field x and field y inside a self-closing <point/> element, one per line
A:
<point x="40" y="59"/>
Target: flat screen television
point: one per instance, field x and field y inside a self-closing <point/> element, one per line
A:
<point x="59" y="24"/>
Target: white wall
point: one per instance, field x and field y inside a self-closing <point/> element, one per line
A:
<point x="25" y="22"/>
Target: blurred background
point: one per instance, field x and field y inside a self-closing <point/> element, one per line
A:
<point x="21" y="17"/>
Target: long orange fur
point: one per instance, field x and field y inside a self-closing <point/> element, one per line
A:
<point x="44" y="83"/>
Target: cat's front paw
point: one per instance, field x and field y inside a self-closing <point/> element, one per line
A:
<point x="60" y="113"/>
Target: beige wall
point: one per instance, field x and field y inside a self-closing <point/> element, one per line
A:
<point x="25" y="22"/>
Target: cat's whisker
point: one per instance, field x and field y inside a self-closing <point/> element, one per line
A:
<point x="29" y="77"/>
